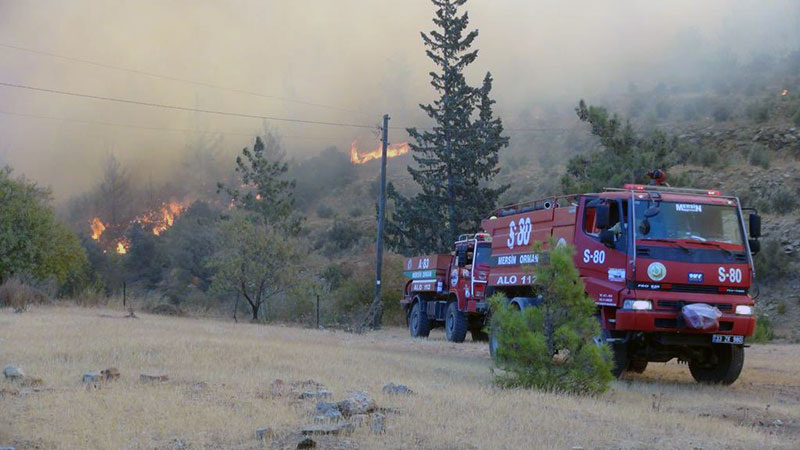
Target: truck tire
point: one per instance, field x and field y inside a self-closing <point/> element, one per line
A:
<point x="637" y="365"/>
<point x="723" y="367"/>
<point x="455" y="324"/>
<point x="478" y="335"/>
<point x="619" y="351"/>
<point x="418" y="324"/>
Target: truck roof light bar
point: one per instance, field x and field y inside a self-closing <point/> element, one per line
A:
<point x="667" y="189"/>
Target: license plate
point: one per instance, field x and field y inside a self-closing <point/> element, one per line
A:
<point x="727" y="339"/>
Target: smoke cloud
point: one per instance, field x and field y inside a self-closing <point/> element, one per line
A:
<point x="359" y="58"/>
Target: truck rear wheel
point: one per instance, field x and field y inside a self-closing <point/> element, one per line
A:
<point x="722" y="367"/>
<point x="455" y="324"/>
<point x="478" y="335"/>
<point x="418" y="323"/>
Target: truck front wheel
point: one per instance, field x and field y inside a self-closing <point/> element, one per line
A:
<point x="418" y="323"/>
<point x="455" y="324"/>
<point x="723" y="365"/>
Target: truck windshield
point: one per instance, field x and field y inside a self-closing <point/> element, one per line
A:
<point x="483" y="255"/>
<point x="692" y="221"/>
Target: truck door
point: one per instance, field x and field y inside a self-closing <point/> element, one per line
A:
<point x="602" y="266"/>
<point x="461" y="273"/>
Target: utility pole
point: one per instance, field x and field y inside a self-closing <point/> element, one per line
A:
<point x="373" y="319"/>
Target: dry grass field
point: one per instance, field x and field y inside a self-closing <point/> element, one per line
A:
<point x="220" y="375"/>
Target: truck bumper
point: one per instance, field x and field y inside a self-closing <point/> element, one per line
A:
<point x="665" y="322"/>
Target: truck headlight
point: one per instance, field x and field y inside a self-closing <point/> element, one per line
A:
<point x="744" y="310"/>
<point x="637" y="305"/>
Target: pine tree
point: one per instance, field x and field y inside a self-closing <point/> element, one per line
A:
<point x="266" y="190"/>
<point x="551" y="346"/>
<point x="457" y="158"/>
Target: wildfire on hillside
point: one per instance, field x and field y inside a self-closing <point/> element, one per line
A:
<point x="97" y="228"/>
<point x="156" y="221"/>
<point x="122" y="246"/>
<point x="785" y="92"/>
<point x="162" y="219"/>
<point x="392" y="151"/>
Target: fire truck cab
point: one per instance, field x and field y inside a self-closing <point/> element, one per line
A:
<point x="669" y="269"/>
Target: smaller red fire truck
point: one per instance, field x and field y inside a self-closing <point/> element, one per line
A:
<point x="670" y="270"/>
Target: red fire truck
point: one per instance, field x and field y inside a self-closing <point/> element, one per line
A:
<point x="670" y="270"/>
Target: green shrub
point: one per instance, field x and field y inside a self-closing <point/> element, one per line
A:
<point x="722" y="112"/>
<point x="705" y="156"/>
<point x="325" y="212"/>
<point x="551" y="346"/>
<point x="771" y="262"/>
<point x="758" y="156"/>
<point x="796" y="118"/>
<point x="356" y="212"/>
<point x="758" y="112"/>
<point x="765" y="332"/>
<point x="783" y="201"/>
<point x="781" y="308"/>
<point x="342" y="235"/>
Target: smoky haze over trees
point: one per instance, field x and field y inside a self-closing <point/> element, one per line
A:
<point x="544" y="56"/>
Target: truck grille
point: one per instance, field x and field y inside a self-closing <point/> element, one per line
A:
<point x="673" y="324"/>
<point x="677" y="304"/>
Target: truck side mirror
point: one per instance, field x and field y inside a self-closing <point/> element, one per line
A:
<point x="602" y="217"/>
<point x="607" y="237"/>
<point x="755" y="225"/>
<point x="755" y="245"/>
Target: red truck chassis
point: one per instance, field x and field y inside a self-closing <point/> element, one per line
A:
<point x="644" y="253"/>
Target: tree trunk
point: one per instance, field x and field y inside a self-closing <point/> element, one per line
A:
<point x="256" y="307"/>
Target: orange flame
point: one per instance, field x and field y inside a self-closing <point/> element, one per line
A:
<point x="122" y="246"/>
<point x="392" y="151"/>
<point x="785" y="92"/>
<point x="97" y="228"/>
<point x="162" y="219"/>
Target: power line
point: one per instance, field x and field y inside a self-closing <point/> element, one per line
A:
<point x="184" y="108"/>
<point x="182" y="80"/>
<point x="144" y="127"/>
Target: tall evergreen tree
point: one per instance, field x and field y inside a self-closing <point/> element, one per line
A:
<point x="457" y="158"/>
<point x="265" y="189"/>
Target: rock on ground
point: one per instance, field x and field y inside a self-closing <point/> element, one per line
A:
<point x="357" y="403"/>
<point x="148" y="377"/>
<point x="306" y="443"/>
<point x="91" y="377"/>
<point x="397" y="389"/>
<point x="112" y="373"/>
<point x="13" y="372"/>
<point x="338" y="428"/>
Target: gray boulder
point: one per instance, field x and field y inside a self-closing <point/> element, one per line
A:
<point x="91" y="377"/>
<point x="357" y="403"/>
<point x="13" y="372"/>
<point x="332" y="415"/>
<point x="397" y="389"/>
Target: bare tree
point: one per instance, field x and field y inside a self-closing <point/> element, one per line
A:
<point x="114" y="192"/>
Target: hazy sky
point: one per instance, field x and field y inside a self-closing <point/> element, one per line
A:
<point x="363" y="58"/>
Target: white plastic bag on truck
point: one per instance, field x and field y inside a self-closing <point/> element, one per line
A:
<point x="701" y="316"/>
